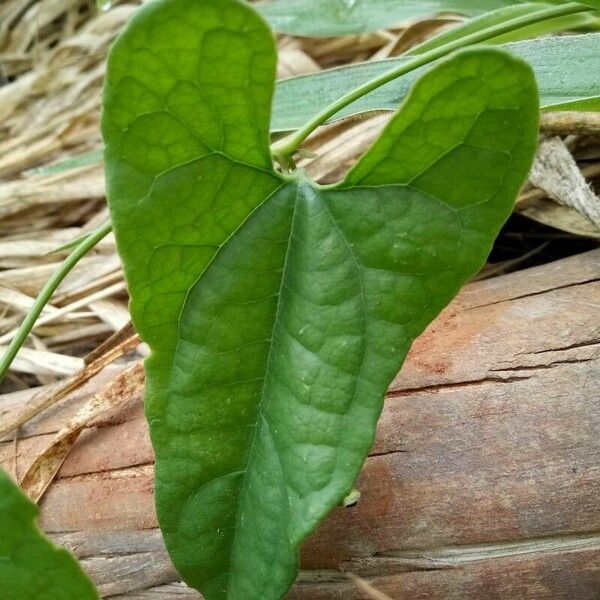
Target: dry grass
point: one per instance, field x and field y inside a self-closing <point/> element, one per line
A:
<point x="52" y="60"/>
<point x="52" y="56"/>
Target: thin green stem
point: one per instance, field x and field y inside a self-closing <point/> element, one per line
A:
<point x="284" y="149"/>
<point x="47" y="291"/>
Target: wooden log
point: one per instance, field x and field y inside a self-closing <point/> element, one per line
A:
<point x="484" y="481"/>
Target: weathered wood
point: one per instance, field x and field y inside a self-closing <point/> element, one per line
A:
<point x="484" y="481"/>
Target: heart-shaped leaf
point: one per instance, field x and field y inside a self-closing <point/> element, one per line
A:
<point x="31" y="568"/>
<point x="278" y="310"/>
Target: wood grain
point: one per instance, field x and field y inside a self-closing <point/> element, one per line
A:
<point x="484" y="481"/>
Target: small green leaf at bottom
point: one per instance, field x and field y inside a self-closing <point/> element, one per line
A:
<point x="31" y="567"/>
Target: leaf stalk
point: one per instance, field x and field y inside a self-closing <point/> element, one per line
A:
<point x="47" y="292"/>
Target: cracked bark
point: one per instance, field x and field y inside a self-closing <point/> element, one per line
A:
<point x="483" y="482"/>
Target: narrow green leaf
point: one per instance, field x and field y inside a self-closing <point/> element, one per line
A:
<point x="582" y="105"/>
<point x="342" y="17"/>
<point x="565" y="69"/>
<point x="496" y="17"/>
<point x="278" y="310"/>
<point x="82" y="160"/>
<point x="31" y="567"/>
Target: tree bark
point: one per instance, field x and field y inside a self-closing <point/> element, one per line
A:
<point x="484" y="481"/>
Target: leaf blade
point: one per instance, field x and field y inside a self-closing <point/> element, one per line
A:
<point x="137" y="89"/>
<point x="31" y="566"/>
<point x="562" y="67"/>
<point x="346" y="17"/>
<point x="341" y="17"/>
<point x="496" y="17"/>
<point x="263" y="390"/>
<point x="166" y="246"/>
<point x="319" y="396"/>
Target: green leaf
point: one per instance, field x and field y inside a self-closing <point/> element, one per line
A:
<point x="565" y="69"/>
<point x="277" y="310"/>
<point x="582" y="105"/>
<point x="31" y="567"/>
<point x="497" y="17"/>
<point x="342" y="17"/>
<point x="82" y="160"/>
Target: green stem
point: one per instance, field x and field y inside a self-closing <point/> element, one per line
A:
<point x="285" y="148"/>
<point x="47" y="291"/>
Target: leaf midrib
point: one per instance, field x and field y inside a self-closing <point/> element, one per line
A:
<point x="261" y="407"/>
<point x="176" y="351"/>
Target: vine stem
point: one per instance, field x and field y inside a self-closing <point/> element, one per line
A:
<point x="284" y="149"/>
<point x="47" y="292"/>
